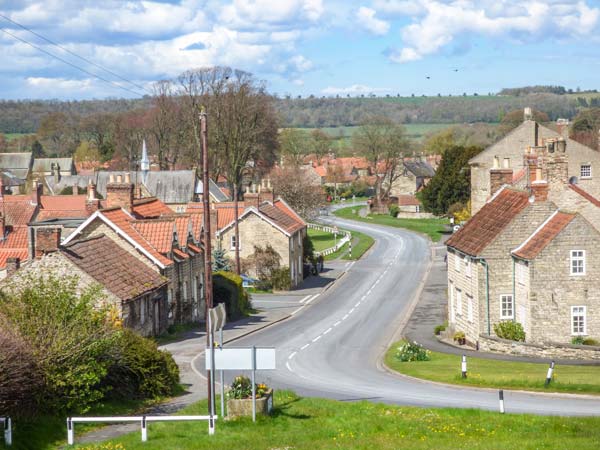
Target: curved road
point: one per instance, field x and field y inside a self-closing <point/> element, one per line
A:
<point x="333" y="347"/>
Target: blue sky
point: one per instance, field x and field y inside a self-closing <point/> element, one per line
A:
<point x="302" y="47"/>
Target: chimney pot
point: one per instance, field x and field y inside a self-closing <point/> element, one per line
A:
<point x="506" y="163"/>
<point x="119" y="178"/>
<point x="47" y="241"/>
<point x="496" y="162"/>
<point x="111" y="178"/>
<point x="539" y="189"/>
<point x="127" y="178"/>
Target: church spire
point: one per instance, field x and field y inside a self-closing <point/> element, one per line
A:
<point x="144" y="162"/>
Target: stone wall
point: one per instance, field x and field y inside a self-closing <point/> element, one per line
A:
<point x="548" y="350"/>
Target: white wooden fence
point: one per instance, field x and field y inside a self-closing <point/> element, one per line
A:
<point x="346" y="236"/>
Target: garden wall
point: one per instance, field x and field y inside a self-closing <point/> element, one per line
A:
<point x="548" y="350"/>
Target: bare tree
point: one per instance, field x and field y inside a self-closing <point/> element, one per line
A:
<point x="294" y="186"/>
<point x="294" y="144"/>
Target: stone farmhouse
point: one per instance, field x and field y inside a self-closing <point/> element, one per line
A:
<point x="530" y="253"/>
<point x="415" y="173"/>
<point x="508" y="154"/>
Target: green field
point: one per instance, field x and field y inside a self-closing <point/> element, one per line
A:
<point x="11" y="136"/>
<point x="493" y="373"/>
<point x="434" y="228"/>
<point x="317" y="424"/>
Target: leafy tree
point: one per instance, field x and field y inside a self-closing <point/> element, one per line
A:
<point x="294" y="145"/>
<point x="320" y="143"/>
<point x="452" y="181"/>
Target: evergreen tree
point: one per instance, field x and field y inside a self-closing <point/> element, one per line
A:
<point x="220" y="261"/>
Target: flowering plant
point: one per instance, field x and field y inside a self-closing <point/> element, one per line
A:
<point x="411" y="351"/>
<point x="241" y="388"/>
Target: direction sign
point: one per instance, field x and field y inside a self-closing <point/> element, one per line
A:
<point x="218" y="317"/>
<point x="241" y="359"/>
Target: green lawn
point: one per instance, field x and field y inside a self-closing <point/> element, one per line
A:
<point x="318" y="424"/>
<point x="498" y="374"/>
<point x="11" y="136"/>
<point x="322" y="240"/>
<point x="434" y="228"/>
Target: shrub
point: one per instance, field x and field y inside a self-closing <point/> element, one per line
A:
<point x="411" y="351"/>
<point x="228" y="289"/>
<point x="507" y="329"/>
<point x="394" y="210"/>
<point x="139" y="369"/>
<point x="590" y="341"/>
<point x="281" y="279"/>
<point x="578" y="340"/>
<point x="459" y="335"/>
<point x="439" y="328"/>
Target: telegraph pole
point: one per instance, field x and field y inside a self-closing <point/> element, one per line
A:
<point x="207" y="249"/>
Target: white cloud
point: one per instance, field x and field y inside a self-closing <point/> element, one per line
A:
<point x="399" y="7"/>
<point x="353" y="90"/>
<point x="440" y="23"/>
<point x="365" y="18"/>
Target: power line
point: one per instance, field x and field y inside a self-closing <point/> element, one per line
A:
<point x="75" y="54"/>
<point x="112" y="83"/>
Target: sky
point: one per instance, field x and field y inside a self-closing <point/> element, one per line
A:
<point x="298" y="47"/>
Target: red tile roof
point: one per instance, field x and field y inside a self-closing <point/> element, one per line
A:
<point x="489" y="222"/>
<point x="195" y="248"/>
<point x="180" y="254"/>
<point x="17" y="213"/>
<point x="282" y="217"/>
<point x="585" y="195"/>
<point x="543" y="235"/>
<point x="321" y="171"/>
<point x="226" y="213"/>
<point x="150" y="208"/>
<point x="158" y="232"/>
<point x="113" y="267"/>
<point x="122" y="220"/>
<point x="408" y="200"/>
<point x="14" y="245"/>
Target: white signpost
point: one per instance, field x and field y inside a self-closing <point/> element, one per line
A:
<point x="249" y="358"/>
<point x="7" y="430"/>
<point x="217" y="317"/>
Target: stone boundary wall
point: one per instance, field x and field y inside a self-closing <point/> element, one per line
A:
<point x="415" y="215"/>
<point x="549" y="350"/>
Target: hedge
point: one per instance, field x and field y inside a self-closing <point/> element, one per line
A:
<point x="228" y="289"/>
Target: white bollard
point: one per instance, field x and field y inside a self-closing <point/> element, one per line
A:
<point x="549" y="374"/>
<point x="7" y="431"/>
<point x="464" y="366"/>
<point x="144" y="429"/>
<point x="501" y="395"/>
<point x="211" y="425"/>
<point x="70" y="431"/>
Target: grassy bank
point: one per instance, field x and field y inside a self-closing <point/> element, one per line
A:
<point x="322" y="240"/>
<point x="491" y="373"/>
<point x="316" y="424"/>
<point x="434" y="228"/>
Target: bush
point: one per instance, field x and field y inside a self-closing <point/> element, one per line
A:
<point x="510" y="330"/>
<point x="139" y="369"/>
<point x="459" y="335"/>
<point x="281" y="279"/>
<point x="438" y="329"/>
<point x="580" y="340"/>
<point x="228" y="289"/>
<point x="394" y="210"/>
<point x="411" y="351"/>
<point x="590" y="341"/>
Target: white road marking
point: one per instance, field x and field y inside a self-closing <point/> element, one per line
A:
<point x="310" y="300"/>
<point x="369" y="291"/>
<point x="357" y="304"/>
<point x="337" y="323"/>
<point x="317" y="338"/>
<point x="297" y="310"/>
<point x="363" y="297"/>
<point x="327" y="331"/>
<point x="292" y="355"/>
<point x="304" y="299"/>
<point x="345" y="317"/>
<point x="304" y="347"/>
<point x="287" y="364"/>
<point x="351" y="311"/>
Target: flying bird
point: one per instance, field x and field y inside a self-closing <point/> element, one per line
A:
<point x="428" y="78"/>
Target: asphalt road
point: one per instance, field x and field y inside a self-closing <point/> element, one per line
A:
<point x="333" y="347"/>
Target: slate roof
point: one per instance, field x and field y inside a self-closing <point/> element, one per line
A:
<point x="110" y="265"/>
<point x="419" y="168"/>
<point x="45" y="164"/>
<point x="488" y="223"/>
<point x="17" y="164"/>
<point x="215" y="191"/>
<point x="68" y="181"/>
<point x="541" y="237"/>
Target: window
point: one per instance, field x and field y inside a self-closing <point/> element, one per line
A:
<point x="585" y="171"/>
<point x="469" y="308"/>
<point x="521" y="268"/>
<point x="452" y="311"/>
<point x="577" y="262"/>
<point x="417" y="208"/>
<point x="458" y="302"/>
<point x="578" y="320"/>
<point x="233" y="243"/>
<point x="467" y="267"/>
<point x="507" y="310"/>
<point x="456" y="262"/>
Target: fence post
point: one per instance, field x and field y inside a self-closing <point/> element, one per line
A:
<point x="7" y="431"/>
<point x="549" y="374"/>
<point x="501" y="398"/>
<point x="211" y="425"/>
<point x="70" y="431"/>
<point x="144" y="429"/>
<point x="464" y="366"/>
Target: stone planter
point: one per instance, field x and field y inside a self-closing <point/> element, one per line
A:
<point x="243" y="407"/>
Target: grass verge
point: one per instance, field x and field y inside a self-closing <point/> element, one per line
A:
<point x="434" y="228"/>
<point x="358" y="250"/>
<point x="316" y="424"/>
<point x="492" y="373"/>
<point x="322" y="240"/>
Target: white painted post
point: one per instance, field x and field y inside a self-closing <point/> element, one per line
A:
<point x="253" y="384"/>
<point x="70" y="431"/>
<point x="222" y="377"/>
<point x="501" y="395"/>
<point x="464" y="366"/>
<point x="549" y="374"/>
<point x="144" y="429"/>
<point x="350" y="249"/>
<point x="211" y="425"/>
<point x="7" y="431"/>
<point x="212" y="369"/>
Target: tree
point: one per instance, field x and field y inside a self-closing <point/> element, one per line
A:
<point x="452" y="181"/>
<point x="586" y="126"/>
<point x="99" y="129"/>
<point x="294" y="145"/>
<point x="294" y="187"/>
<point x="219" y="261"/>
<point x="383" y="143"/>
<point x="320" y="143"/>
<point x="513" y="119"/>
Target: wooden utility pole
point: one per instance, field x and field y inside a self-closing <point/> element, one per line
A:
<point x="208" y="291"/>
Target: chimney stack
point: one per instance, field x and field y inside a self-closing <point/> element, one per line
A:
<point x="267" y="193"/>
<point x="252" y="198"/>
<point x="2" y="228"/>
<point x="527" y="114"/>
<point x="12" y="265"/>
<point x="37" y="191"/>
<point x="75" y="188"/>
<point x="539" y="190"/>
<point x="500" y="177"/>
<point x="120" y="193"/>
<point x="47" y="240"/>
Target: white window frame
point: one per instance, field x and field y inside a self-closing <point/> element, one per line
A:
<point x="468" y="268"/>
<point x="577" y="258"/>
<point x="469" y="308"/>
<point x="581" y="313"/>
<point x="457" y="262"/>
<point x="520" y="269"/>
<point x="587" y="168"/>
<point x="503" y="299"/>
<point x="232" y="242"/>
<point x="452" y="310"/>
<point x="458" y="302"/>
